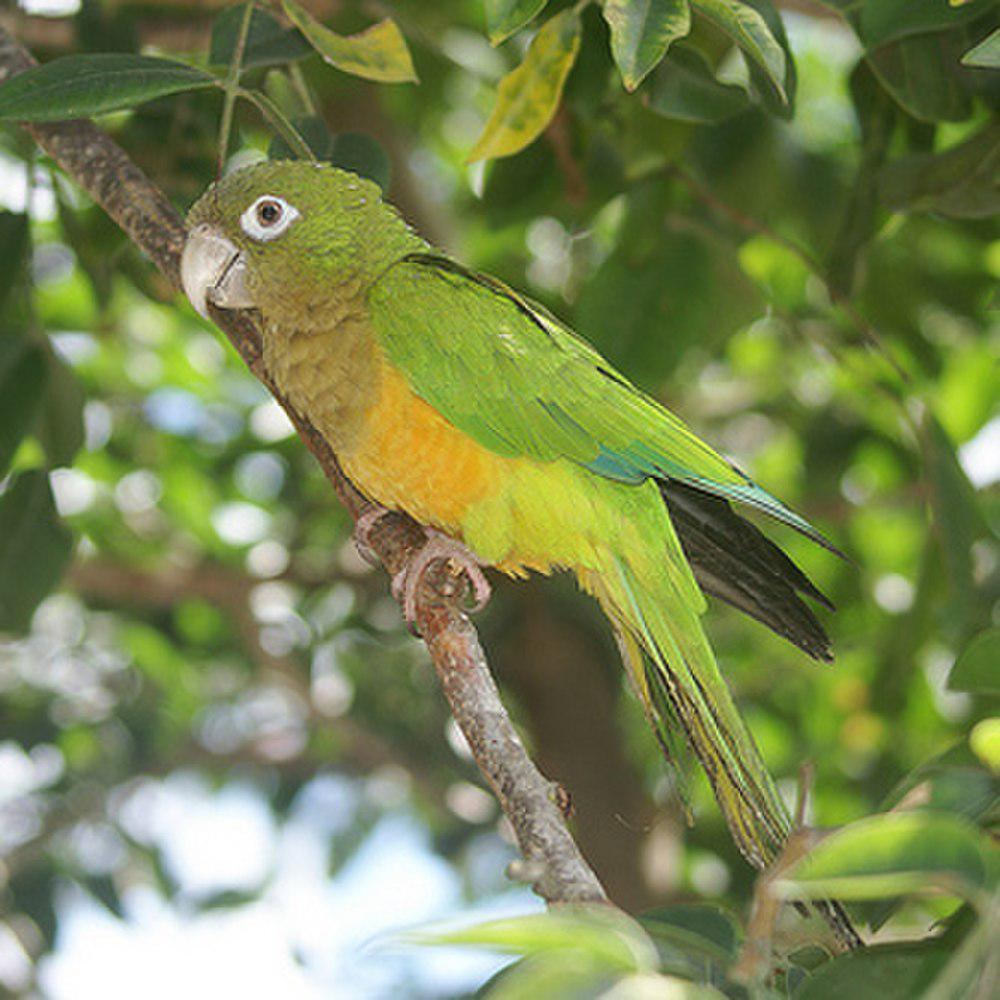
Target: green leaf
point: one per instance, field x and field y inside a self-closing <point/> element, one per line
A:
<point x="95" y="240"/>
<point x="659" y="294"/>
<point x="958" y="519"/>
<point x="893" y="854"/>
<point x="877" y="114"/>
<point x="698" y="930"/>
<point x="551" y="974"/>
<point x="777" y="101"/>
<point x="779" y="271"/>
<point x="750" y="32"/>
<point x="978" y="667"/>
<point x="986" y="54"/>
<point x="528" y="95"/>
<point x="377" y="53"/>
<point x="609" y="938"/>
<point x="354" y="151"/>
<point x="889" y="20"/>
<point x="23" y="376"/>
<point x="362" y="155"/>
<point x="567" y="974"/>
<point x="922" y="74"/>
<point x="103" y="889"/>
<point x="34" y="548"/>
<point x="80" y="86"/>
<point x="14" y="240"/>
<point x="953" y="782"/>
<point x="685" y="88"/>
<point x="268" y="43"/>
<point x="641" y="33"/>
<point x="60" y="424"/>
<point x="504" y="17"/>
<point x="889" y="972"/>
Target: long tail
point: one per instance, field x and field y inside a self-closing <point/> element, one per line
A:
<point x="656" y="611"/>
<point x="683" y="691"/>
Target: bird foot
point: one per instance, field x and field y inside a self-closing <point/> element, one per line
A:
<point x="363" y="528"/>
<point x="438" y="547"/>
<point x="461" y="560"/>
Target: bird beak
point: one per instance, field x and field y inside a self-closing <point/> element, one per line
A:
<point x="214" y="272"/>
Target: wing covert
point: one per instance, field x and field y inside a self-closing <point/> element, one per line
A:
<point x="507" y="373"/>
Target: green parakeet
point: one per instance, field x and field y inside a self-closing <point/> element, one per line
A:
<point x="449" y="396"/>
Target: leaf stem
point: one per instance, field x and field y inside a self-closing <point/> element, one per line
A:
<point x="232" y="84"/>
<point x="302" y="88"/>
<point x="279" y="123"/>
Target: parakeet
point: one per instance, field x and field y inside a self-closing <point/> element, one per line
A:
<point x="449" y="396"/>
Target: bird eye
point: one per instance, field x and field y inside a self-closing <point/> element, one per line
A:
<point x="268" y="213"/>
<point x="268" y="217"/>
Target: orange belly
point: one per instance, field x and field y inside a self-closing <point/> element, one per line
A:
<point x="410" y="458"/>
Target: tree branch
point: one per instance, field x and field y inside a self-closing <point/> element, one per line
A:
<point x="553" y="864"/>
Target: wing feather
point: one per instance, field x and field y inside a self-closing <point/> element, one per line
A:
<point x="506" y="372"/>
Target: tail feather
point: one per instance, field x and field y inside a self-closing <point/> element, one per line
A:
<point x="682" y="691"/>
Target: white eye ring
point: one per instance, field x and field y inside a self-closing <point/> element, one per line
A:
<point x="268" y="217"/>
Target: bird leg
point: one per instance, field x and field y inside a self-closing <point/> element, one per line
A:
<point x="438" y="547"/>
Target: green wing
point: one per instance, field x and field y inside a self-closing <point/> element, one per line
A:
<point x="508" y="374"/>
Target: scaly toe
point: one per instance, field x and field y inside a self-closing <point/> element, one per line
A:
<point x="406" y="583"/>
<point x="363" y="528"/>
<point x="481" y="589"/>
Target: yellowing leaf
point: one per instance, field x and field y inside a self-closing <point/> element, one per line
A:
<point x="377" y="53"/>
<point x="504" y="17"/>
<point x="529" y="95"/>
<point x="641" y="32"/>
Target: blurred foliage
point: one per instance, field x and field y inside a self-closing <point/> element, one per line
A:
<point x="787" y="231"/>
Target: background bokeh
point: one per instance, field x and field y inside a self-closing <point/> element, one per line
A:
<point x="225" y="767"/>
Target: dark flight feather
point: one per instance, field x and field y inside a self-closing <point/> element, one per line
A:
<point x="736" y="562"/>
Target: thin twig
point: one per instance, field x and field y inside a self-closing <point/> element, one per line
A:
<point x="298" y="79"/>
<point x="273" y="116"/>
<point x="558" y="871"/>
<point x="807" y="778"/>
<point x="232" y="84"/>
<point x="754" y="961"/>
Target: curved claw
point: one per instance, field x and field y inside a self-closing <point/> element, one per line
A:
<point x="406" y="583"/>
<point x="363" y="528"/>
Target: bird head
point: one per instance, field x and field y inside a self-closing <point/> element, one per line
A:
<point x="276" y="234"/>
